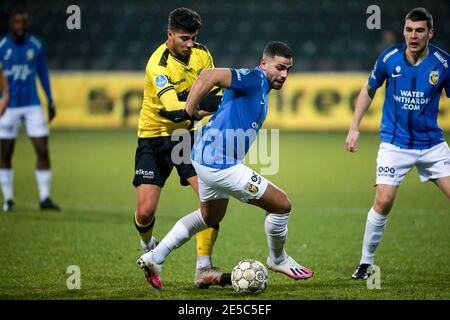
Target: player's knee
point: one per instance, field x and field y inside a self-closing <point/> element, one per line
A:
<point x="284" y="205"/>
<point x="5" y="159"/>
<point x="444" y="185"/>
<point x="211" y="219"/>
<point x="383" y="204"/>
<point x="43" y="156"/>
<point x="5" y="163"/>
<point x="287" y="206"/>
<point x="145" y="212"/>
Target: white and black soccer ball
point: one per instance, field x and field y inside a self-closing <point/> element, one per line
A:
<point x="249" y="276"/>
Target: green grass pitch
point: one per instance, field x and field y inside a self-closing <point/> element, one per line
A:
<point x="331" y="191"/>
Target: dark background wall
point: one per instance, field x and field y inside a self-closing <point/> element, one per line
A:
<point x="325" y="35"/>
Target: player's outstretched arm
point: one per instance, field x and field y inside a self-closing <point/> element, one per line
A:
<point x="5" y="93"/>
<point x="362" y="105"/>
<point x="207" y="80"/>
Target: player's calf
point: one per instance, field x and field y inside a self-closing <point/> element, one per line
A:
<point x="384" y="198"/>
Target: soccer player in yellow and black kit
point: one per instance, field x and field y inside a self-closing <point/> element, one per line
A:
<point x="170" y="73"/>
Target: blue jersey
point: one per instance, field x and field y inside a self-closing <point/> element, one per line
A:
<point x="226" y="138"/>
<point x="411" y="102"/>
<point x="20" y="63"/>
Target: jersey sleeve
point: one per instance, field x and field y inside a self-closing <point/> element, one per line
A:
<point x="42" y="71"/>
<point x="171" y="102"/>
<point x="447" y="84"/>
<point x="378" y="74"/>
<point x="244" y="80"/>
<point x="164" y="90"/>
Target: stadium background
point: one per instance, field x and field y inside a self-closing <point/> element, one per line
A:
<point x="97" y="76"/>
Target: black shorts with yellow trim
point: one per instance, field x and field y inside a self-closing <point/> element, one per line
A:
<point x="154" y="163"/>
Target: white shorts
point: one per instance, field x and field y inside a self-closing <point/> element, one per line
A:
<point x="238" y="181"/>
<point x="33" y="118"/>
<point x="393" y="163"/>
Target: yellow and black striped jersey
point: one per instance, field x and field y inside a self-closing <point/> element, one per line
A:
<point x="167" y="84"/>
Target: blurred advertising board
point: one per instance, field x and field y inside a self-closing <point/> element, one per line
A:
<point x="308" y="101"/>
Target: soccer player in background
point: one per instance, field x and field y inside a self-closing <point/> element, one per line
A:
<point x="22" y="57"/>
<point x="171" y="71"/>
<point x="217" y="158"/>
<point x="415" y="73"/>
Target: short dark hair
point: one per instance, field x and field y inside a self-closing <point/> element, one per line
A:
<point x="17" y="11"/>
<point x="184" y="19"/>
<point x="421" y="14"/>
<point x="277" y="48"/>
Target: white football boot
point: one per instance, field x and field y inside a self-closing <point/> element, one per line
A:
<point x="210" y="276"/>
<point x="152" y="270"/>
<point x="291" y="268"/>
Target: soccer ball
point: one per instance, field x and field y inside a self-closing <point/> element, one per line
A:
<point x="249" y="276"/>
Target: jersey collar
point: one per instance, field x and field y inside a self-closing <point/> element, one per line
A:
<point x="178" y="60"/>
<point x="266" y="80"/>
<point x="26" y="39"/>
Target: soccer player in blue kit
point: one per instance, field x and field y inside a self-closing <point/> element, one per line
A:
<point x="21" y="58"/>
<point x="217" y="156"/>
<point x="415" y="73"/>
